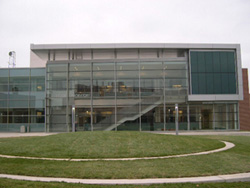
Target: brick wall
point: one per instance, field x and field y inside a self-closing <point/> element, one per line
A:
<point x="244" y="106"/>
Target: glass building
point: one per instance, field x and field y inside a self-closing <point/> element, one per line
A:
<point x="136" y="87"/>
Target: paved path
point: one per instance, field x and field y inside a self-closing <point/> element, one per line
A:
<point x="204" y="179"/>
<point x="200" y="132"/>
<point x="10" y="135"/>
<point x="228" y="145"/>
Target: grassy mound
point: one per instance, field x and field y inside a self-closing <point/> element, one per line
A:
<point x="105" y="145"/>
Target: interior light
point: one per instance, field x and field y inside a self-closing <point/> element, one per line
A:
<point x="106" y="113"/>
<point x="39" y="87"/>
<point x="176" y="86"/>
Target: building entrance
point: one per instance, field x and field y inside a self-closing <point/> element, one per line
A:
<point x="82" y="119"/>
<point x="207" y="119"/>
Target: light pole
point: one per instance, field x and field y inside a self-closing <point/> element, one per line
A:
<point x="73" y="118"/>
<point x="176" y="119"/>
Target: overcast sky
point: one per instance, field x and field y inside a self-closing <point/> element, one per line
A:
<point x="115" y="21"/>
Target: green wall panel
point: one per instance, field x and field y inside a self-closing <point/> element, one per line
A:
<point x="230" y="62"/>
<point x="223" y="61"/>
<point x="213" y="72"/>
<point x="201" y="62"/>
<point x="216" y="62"/>
<point x="202" y="83"/>
<point x="194" y="61"/>
<point x="224" y="83"/>
<point x="209" y="61"/>
<point x="232" y="79"/>
<point x="195" y="88"/>
<point x="210" y="83"/>
<point x="217" y="83"/>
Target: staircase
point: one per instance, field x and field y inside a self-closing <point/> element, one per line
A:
<point x="129" y="113"/>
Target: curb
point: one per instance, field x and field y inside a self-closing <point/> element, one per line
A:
<point x="241" y="177"/>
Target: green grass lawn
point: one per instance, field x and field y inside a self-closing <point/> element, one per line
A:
<point x="235" y="160"/>
<point x="105" y="145"/>
<point x="6" y="183"/>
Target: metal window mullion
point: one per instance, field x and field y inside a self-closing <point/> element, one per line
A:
<point x="67" y="100"/>
<point x="236" y="114"/>
<point x="29" y="119"/>
<point x="139" y="66"/>
<point x="213" y="117"/>
<point x="91" y="94"/>
<point x="45" y="110"/>
<point x="189" y="80"/>
<point x="226" y="116"/>
<point x="188" y="117"/>
<point x="8" y="98"/>
<point x="115" y="85"/>
<point x="164" y="95"/>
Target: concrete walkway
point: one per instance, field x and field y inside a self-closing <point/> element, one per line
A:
<point x="198" y="132"/>
<point x="201" y="132"/>
<point x="205" y="179"/>
<point x="228" y="145"/>
<point x="10" y="135"/>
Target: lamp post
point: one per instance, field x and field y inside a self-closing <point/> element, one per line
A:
<point x="176" y="119"/>
<point x="73" y="118"/>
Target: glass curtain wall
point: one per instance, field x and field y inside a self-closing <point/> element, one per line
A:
<point x="176" y="88"/>
<point x="213" y="116"/>
<point x="80" y="94"/>
<point x="151" y="87"/>
<point x="57" y="98"/>
<point x="128" y="95"/>
<point x="103" y="95"/>
<point x="22" y="99"/>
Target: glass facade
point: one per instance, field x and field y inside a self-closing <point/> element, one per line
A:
<point x="22" y="94"/>
<point x="121" y="94"/>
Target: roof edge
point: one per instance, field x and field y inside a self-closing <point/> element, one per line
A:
<point x="132" y="45"/>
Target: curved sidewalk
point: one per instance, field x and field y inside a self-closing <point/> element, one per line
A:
<point x="220" y="178"/>
<point x="228" y="145"/>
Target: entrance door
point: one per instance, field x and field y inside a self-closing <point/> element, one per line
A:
<point x="207" y="119"/>
<point x="83" y="119"/>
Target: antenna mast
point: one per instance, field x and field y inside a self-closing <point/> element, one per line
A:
<point x="12" y="59"/>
